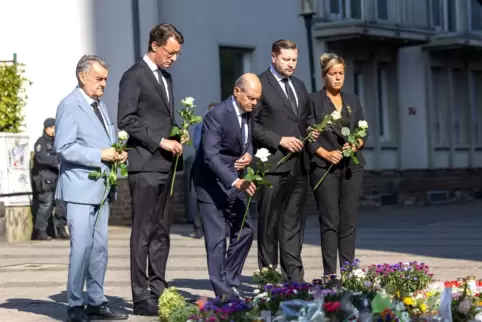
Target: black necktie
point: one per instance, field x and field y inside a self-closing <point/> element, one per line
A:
<point x="291" y="95"/>
<point x="95" y="106"/>
<point x="244" y="128"/>
<point x="161" y="82"/>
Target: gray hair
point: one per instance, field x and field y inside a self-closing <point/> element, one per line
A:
<point x="240" y="82"/>
<point x="86" y="62"/>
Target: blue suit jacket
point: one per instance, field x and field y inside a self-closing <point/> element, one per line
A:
<point x="221" y="145"/>
<point x="79" y="139"/>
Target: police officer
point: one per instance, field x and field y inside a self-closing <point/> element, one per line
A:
<point x="45" y="173"/>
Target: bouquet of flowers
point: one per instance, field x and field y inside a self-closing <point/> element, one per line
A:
<point x="354" y="139"/>
<point x="267" y="276"/>
<point x="110" y="178"/>
<point x="188" y="119"/>
<point x="257" y="177"/>
<point x="320" y="127"/>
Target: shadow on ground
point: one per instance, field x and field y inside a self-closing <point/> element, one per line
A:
<point x="57" y="307"/>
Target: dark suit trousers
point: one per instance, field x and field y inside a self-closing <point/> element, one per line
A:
<point x="281" y="222"/>
<point x="225" y="266"/>
<point x="338" y="199"/>
<point x="151" y="222"/>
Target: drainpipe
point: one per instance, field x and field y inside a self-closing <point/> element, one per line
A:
<point x="136" y="30"/>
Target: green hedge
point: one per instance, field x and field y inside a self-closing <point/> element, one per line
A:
<point x="13" y="96"/>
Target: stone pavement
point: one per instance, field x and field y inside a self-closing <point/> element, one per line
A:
<point x="448" y="238"/>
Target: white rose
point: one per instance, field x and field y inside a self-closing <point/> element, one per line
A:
<point x="263" y="154"/>
<point x="336" y="115"/>
<point x="363" y="124"/>
<point x="122" y="136"/>
<point x="345" y="131"/>
<point x="188" y="101"/>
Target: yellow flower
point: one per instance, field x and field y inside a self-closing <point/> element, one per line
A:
<point x="423" y="307"/>
<point x="408" y="301"/>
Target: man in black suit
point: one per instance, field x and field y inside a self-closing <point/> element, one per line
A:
<point x="226" y="150"/>
<point x="282" y="118"/>
<point x="146" y="112"/>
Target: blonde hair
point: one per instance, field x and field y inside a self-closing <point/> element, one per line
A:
<point x="329" y="60"/>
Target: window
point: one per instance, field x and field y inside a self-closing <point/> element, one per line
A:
<point x="387" y="102"/>
<point x="443" y="14"/>
<point x="461" y="107"/>
<point x="477" y="100"/>
<point x="233" y="63"/>
<point x="382" y="9"/>
<point x="340" y="9"/>
<point x="441" y="106"/>
<point x="476" y="15"/>
<point x="355" y="9"/>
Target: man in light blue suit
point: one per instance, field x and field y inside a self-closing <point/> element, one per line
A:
<point x="83" y="140"/>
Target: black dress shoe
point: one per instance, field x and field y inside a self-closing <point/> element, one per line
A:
<point x="237" y="293"/>
<point x="197" y="234"/>
<point x="42" y="235"/>
<point x="62" y="234"/>
<point x="77" y="314"/>
<point x="146" y="308"/>
<point x="103" y="312"/>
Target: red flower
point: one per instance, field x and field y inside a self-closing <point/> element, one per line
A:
<point x="331" y="306"/>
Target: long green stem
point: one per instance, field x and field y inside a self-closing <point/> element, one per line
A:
<point x="107" y="188"/>
<point x="244" y="217"/>
<point x="323" y="178"/>
<point x="174" y="176"/>
<point x="286" y="157"/>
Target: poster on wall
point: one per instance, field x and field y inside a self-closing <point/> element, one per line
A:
<point x="15" y="170"/>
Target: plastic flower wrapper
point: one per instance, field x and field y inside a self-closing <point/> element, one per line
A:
<point x="350" y="312"/>
<point x="303" y="311"/>
<point x="381" y="302"/>
<point x="445" y="310"/>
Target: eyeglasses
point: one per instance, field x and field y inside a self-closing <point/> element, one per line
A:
<point x="170" y="54"/>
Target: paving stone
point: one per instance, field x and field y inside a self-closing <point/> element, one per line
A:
<point x="33" y="274"/>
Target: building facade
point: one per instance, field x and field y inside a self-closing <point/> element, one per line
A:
<point x="415" y="64"/>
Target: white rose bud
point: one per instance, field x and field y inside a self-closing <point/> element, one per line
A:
<point x="335" y="115"/>
<point x="263" y="154"/>
<point x="345" y="131"/>
<point x="188" y="101"/>
<point x="363" y="124"/>
<point x="122" y="136"/>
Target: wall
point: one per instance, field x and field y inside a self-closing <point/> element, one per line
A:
<point x="243" y="24"/>
<point x="49" y="42"/>
<point x="414" y="140"/>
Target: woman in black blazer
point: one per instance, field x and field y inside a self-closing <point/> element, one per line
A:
<point x="339" y="193"/>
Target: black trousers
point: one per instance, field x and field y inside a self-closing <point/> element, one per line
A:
<point x="150" y="242"/>
<point x="338" y="199"/>
<point x="281" y="222"/>
<point x="45" y="203"/>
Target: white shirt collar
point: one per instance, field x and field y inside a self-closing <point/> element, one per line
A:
<point x="87" y="98"/>
<point x="150" y="63"/>
<point x="277" y="75"/>
<point x="238" y="109"/>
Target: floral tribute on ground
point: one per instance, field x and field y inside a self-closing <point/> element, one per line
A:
<point x="385" y="292"/>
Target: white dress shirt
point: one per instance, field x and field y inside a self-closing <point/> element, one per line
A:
<point x="239" y="112"/>
<point x="89" y="101"/>
<point x="154" y="69"/>
<point x="279" y="78"/>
